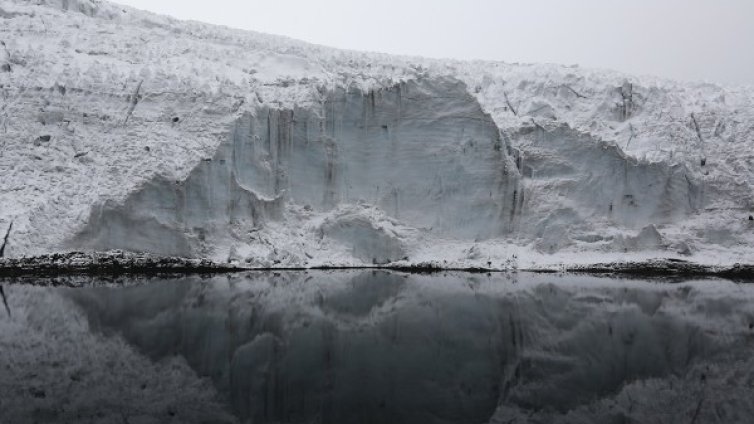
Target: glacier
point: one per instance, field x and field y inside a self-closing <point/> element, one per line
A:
<point x="122" y="129"/>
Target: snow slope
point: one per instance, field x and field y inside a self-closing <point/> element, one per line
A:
<point x="124" y="129"/>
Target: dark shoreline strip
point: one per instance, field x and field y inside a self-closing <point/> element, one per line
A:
<point x="125" y="264"/>
<point x="732" y="273"/>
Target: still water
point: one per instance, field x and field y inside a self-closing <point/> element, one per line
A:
<point x="377" y="347"/>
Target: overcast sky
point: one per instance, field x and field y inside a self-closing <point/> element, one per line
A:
<point x="710" y="40"/>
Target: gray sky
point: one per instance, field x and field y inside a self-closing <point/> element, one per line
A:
<point x="710" y="40"/>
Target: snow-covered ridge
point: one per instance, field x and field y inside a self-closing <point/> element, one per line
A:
<point x="124" y="129"/>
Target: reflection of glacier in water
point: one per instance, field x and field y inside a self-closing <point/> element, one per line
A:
<point x="378" y="347"/>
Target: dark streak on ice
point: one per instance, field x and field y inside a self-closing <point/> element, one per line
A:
<point x="5" y="300"/>
<point x="5" y="240"/>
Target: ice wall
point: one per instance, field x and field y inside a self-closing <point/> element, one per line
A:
<point x="601" y="180"/>
<point x="577" y="186"/>
<point x="120" y="128"/>
<point x="423" y="152"/>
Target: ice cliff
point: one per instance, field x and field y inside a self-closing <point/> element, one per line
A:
<point x="124" y="129"/>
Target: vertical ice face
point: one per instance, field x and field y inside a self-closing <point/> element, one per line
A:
<point x="422" y="152"/>
<point x="574" y="181"/>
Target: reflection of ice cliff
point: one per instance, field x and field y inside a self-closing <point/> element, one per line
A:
<point x="380" y="347"/>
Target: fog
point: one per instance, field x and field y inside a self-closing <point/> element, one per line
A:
<point x="681" y="39"/>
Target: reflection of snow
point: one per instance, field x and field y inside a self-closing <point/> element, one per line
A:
<point x="53" y="369"/>
<point x="428" y="348"/>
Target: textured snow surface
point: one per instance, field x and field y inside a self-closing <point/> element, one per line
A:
<point x="124" y="129"/>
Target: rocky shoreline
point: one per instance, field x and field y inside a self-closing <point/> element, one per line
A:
<point x="667" y="268"/>
<point x="118" y="263"/>
<point x="107" y="263"/>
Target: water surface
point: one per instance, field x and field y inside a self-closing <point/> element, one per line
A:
<point x="378" y="347"/>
